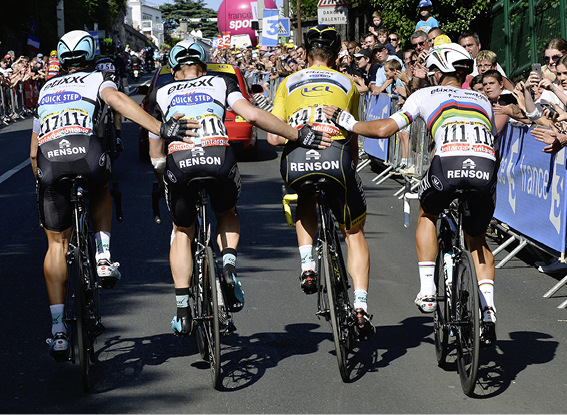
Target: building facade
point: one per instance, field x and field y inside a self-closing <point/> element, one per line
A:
<point x="145" y="17"/>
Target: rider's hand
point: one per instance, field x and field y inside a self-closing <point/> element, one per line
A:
<point x="342" y="118"/>
<point x="175" y="129"/>
<point x="309" y="138"/>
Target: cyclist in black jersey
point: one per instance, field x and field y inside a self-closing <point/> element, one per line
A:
<point x="463" y="128"/>
<point x="110" y="61"/>
<point x="300" y="100"/>
<point x="205" y="98"/>
<point x="64" y="143"/>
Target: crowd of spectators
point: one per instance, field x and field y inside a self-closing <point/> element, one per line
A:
<point x="377" y="64"/>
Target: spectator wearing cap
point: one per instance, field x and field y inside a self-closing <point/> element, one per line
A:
<point x="366" y="70"/>
<point x="381" y="56"/>
<point x="427" y="21"/>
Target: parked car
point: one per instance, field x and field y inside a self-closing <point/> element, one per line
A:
<point x="241" y="134"/>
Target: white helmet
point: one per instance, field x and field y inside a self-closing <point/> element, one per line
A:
<point x="450" y="57"/>
<point x="76" y="48"/>
<point x="186" y="53"/>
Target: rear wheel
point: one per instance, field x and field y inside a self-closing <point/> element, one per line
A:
<point x="335" y="311"/>
<point x="440" y="328"/>
<point x="468" y="316"/>
<point x="77" y="273"/>
<point x="200" y="298"/>
<point x="212" y="322"/>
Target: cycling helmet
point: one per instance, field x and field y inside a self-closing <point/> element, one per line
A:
<point x="186" y="53"/>
<point x="107" y="46"/>
<point x="76" y="48"/>
<point x="53" y="53"/>
<point x="323" y="36"/>
<point x="448" y="58"/>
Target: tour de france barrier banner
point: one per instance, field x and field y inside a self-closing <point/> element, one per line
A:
<point x="378" y="108"/>
<point x="531" y="191"/>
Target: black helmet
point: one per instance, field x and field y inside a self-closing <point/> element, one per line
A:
<point x="107" y="46"/>
<point x="323" y="36"/>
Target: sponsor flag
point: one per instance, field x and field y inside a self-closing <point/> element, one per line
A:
<point x="33" y="43"/>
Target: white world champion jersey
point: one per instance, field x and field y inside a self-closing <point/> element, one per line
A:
<point x="71" y="105"/>
<point x="204" y="99"/>
<point x="460" y="121"/>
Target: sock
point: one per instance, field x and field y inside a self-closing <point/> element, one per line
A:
<point x="307" y="261"/>
<point x="229" y="260"/>
<point x="486" y="294"/>
<point x="57" y="325"/>
<point x="360" y="300"/>
<point x="426" y="277"/>
<point x="404" y="162"/>
<point x="182" y="300"/>
<point x="102" y="240"/>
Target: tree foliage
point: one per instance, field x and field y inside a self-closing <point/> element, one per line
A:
<point x="401" y="16"/>
<point x="454" y="16"/>
<point x="189" y="9"/>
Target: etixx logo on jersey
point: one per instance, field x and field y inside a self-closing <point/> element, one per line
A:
<point x="60" y="97"/>
<point x="191" y="98"/>
<point x="316" y="91"/>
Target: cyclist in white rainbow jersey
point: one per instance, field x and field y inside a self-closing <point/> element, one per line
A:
<point x="461" y="123"/>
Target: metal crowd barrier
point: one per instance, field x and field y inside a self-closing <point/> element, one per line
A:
<point x="14" y="104"/>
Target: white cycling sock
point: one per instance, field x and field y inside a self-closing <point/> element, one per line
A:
<point x="486" y="294"/>
<point x="307" y="261"/>
<point x="102" y="240"/>
<point x="360" y="300"/>
<point x="426" y="277"/>
<point x="57" y="325"/>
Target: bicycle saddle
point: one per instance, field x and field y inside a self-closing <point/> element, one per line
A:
<point x="308" y="187"/>
<point x="203" y="182"/>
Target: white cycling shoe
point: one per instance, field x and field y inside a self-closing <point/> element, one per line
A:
<point x="108" y="273"/>
<point x="426" y="303"/>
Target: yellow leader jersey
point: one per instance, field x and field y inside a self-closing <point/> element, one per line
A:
<point x="301" y="97"/>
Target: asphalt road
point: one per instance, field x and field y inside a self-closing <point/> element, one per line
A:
<point x="281" y="359"/>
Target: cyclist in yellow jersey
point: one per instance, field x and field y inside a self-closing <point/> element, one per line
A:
<point x="300" y="100"/>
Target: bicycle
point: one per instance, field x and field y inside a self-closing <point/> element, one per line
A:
<point x="211" y="318"/>
<point x="82" y="301"/>
<point x="112" y="150"/>
<point x="333" y="302"/>
<point x="458" y="306"/>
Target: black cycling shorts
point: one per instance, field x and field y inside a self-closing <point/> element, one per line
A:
<point x="347" y="201"/>
<point x="67" y="157"/>
<point x="447" y="174"/>
<point x="181" y="166"/>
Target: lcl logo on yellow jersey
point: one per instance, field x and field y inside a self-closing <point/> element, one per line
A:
<point x="316" y="91"/>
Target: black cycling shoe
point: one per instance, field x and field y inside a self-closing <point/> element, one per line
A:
<point x="308" y="282"/>
<point x="182" y="327"/>
<point x="487" y="334"/>
<point x="232" y="290"/>
<point x="364" y="324"/>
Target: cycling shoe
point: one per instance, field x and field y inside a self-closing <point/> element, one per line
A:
<point x="232" y="289"/>
<point x="308" y="282"/>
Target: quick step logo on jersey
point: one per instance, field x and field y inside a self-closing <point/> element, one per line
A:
<point x="60" y="97"/>
<point x="192" y="98"/>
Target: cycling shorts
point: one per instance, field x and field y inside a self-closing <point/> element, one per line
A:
<point x="447" y="174"/>
<point x="347" y="199"/>
<point x="214" y="161"/>
<point x="67" y="157"/>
